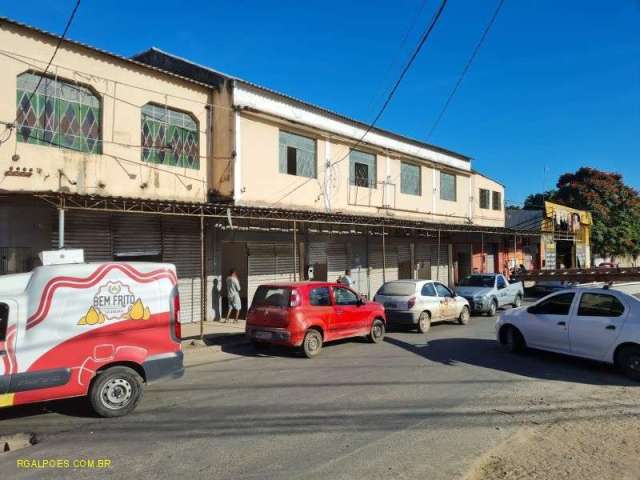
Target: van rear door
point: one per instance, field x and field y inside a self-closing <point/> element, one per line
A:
<point x="8" y="322"/>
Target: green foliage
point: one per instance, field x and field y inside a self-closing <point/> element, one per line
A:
<point x="615" y="208"/>
<point x="535" y="201"/>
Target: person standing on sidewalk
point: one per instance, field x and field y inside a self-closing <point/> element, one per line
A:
<point x="233" y="295"/>
<point x="346" y="279"/>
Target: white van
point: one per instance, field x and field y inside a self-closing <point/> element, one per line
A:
<point x="100" y="330"/>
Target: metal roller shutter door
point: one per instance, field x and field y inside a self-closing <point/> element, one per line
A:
<point x="404" y="260"/>
<point x="423" y="260"/>
<point x="262" y="266"/>
<point x="441" y="274"/>
<point x="90" y="231"/>
<point x="285" y="268"/>
<point x="317" y="255"/>
<point x="375" y="269"/>
<point x="181" y="246"/>
<point x="391" y="263"/>
<point x="337" y="260"/>
<point x="358" y="265"/>
<point x="136" y="235"/>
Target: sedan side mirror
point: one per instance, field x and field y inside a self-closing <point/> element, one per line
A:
<point x="532" y="309"/>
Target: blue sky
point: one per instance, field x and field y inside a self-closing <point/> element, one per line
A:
<point x="555" y="87"/>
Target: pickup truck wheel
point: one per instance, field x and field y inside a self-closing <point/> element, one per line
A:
<point x="464" y="317"/>
<point x="493" y="308"/>
<point x="377" y="331"/>
<point x="312" y="343"/>
<point x="629" y="362"/>
<point x="424" y="322"/>
<point x="116" y="391"/>
<point x="517" y="302"/>
<point x="513" y="340"/>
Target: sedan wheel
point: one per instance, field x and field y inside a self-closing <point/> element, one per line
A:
<point x="513" y="340"/>
<point x="424" y="322"/>
<point x="629" y="360"/>
<point x="464" y="317"/>
<point x="517" y="302"/>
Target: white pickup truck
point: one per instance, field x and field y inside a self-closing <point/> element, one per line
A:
<point x="486" y="292"/>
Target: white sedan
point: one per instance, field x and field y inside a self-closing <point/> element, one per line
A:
<point x="417" y="303"/>
<point x="596" y="323"/>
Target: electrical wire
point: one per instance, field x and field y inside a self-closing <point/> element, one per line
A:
<point x="55" y="52"/>
<point x="423" y="38"/>
<point x="401" y="45"/>
<point x="466" y="68"/>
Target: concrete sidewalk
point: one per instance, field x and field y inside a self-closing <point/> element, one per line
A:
<point x="216" y="335"/>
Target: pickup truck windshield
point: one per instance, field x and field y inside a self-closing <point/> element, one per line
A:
<point x="478" y="281"/>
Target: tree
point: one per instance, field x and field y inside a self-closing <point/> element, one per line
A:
<point x="535" y="201"/>
<point x="615" y="208"/>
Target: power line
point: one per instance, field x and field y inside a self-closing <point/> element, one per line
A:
<point x="55" y="51"/>
<point x="401" y="45"/>
<point x="423" y="38"/>
<point x="466" y="68"/>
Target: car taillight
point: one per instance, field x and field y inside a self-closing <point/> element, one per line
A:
<point x="177" y="328"/>
<point x="411" y="302"/>
<point x="295" y="300"/>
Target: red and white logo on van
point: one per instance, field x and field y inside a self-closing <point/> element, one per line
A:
<point x="114" y="300"/>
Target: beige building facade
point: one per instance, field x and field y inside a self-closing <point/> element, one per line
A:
<point x="83" y="129"/>
<point x="157" y="158"/>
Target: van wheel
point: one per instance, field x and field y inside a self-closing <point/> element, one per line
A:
<point x="464" y="317"/>
<point x="312" y="343"/>
<point x="377" y="331"/>
<point x="115" y="391"/>
<point x="424" y="322"/>
<point x="517" y="302"/>
<point x="629" y="361"/>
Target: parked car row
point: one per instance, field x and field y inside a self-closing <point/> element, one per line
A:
<point x="307" y="314"/>
<point x="600" y="324"/>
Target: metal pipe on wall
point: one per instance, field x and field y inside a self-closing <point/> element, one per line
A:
<point x="203" y="280"/>
<point x="61" y="228"/>
<point x="295" y="252"/>
<point x="384" y="258"/>
<point x="482" y="252"/>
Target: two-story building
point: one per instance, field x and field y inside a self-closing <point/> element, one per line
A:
<point x="157" y="158"/>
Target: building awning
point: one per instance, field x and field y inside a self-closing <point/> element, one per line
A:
<point x="228" y="213"/>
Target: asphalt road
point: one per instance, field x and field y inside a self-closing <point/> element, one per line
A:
<point x="415" y="406"/>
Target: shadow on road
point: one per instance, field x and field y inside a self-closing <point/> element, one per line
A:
<point x="487" y="353"/>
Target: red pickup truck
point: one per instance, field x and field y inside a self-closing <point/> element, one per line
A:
<point x="307" y="314"/>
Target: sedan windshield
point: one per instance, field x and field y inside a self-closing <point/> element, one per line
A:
<point x="477" y="281"/>
<point x="397" y="289"/>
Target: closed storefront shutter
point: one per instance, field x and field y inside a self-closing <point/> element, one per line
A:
<point x="181" y="246"/>
<point x="391" y="263"/>
<point x="137" y="236"/>
<point x="358" y="265"/>
<point x="442" y="260"/>
<point x="285" y="268"/>
<point x="337" y="261"/>
<point x="262" y="266"/>
<point x="375" y="267"/>
<point x="423" y="260"/>
<point x="404" y="260"/>
<point x="90" y="231"/>
<point x="317" y="258"/>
